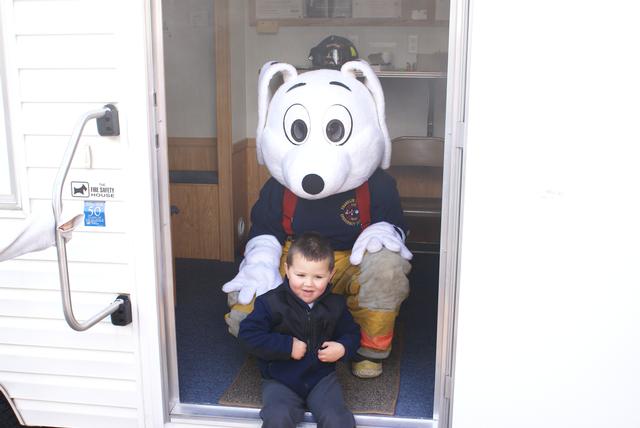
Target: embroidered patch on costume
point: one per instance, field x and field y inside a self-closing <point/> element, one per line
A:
<point x="349" y="212"/>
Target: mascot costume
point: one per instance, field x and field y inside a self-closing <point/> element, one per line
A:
<point x="324" y="139"/>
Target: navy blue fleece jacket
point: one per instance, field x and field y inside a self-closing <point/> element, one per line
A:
<point x="278" y="316"/>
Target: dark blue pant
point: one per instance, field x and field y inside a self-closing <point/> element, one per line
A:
<point x="283" y="408"/>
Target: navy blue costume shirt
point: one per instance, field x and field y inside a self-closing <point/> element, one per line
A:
<point x="336" y="217"/>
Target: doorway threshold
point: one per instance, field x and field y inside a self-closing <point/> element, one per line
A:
<point x="184" y="413"/>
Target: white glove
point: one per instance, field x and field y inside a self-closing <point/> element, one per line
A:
<point x="259" y="271"/>
<point x="374" y="238"/>
<point x="39" y="233"/>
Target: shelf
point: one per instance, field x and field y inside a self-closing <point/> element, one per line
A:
<point x="412" y="74"/>
<point x="404" y="20"/>
<point x="352" y="22"/>
<point x="400" y="74"/>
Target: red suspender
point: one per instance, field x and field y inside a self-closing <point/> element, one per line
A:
<point x="290" y="200"/>
<point x="363" y="200"/>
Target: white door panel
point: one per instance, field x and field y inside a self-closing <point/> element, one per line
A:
<point x="63" y="59"/>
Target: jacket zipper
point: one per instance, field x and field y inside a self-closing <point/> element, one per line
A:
<point x="308" y="330"/>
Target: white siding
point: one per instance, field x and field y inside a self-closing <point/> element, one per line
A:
<point x="65" y="17"/>
<point x="55" y="118"/>
<point x="90" y="247"/>
<point x="65" y="361"/>
<point x="56" y="333"/>
<point x="70" y="389"/>
<point x="17" y="302"/>
<point x="66" y="57"/>
<point x="84" y="85"/>
<point x="66" y="51"/>
<point x="40" y="180"/>
<point x="47" y="152"/>
<point x="77" y="415"/>
<point x="85" y="276"/>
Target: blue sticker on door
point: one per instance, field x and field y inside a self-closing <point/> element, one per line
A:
<point x="94" y="213"/>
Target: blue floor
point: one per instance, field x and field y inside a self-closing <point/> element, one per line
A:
<point x="209" y="358"/>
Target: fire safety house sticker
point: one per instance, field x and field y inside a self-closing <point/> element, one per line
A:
<point x="83" y="189"/>
<point x="94" y="209"/>
<point x="80" y="189"/>
<point x="94" y="213"/>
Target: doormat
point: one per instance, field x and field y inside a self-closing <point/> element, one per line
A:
<point x="373" y="396"/>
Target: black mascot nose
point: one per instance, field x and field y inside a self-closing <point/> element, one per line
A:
<point x="312" y="184"/>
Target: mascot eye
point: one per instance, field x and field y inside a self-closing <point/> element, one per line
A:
<point x="299" y="130"/>
<point x="295" y="124"/>
<point x="335" y="130"/>
<point x="338" y="124"/>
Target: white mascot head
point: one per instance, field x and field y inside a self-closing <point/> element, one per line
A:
<point x="323" y="132"/>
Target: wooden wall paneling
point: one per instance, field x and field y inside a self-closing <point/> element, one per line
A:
<point x="193" y="154"/>
<point x="257" y="175"/>
<point x="195" y="229"/>
<point x="251" y="177"/>
<point x="418" y="182"/>
<point x="223" y="122"/>
<point x="263" y="175"/>
<point x="240" y="186"/>
<point x="423" y="229"/>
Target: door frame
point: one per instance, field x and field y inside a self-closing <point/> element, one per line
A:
<point x="452" y="207"/>
<point x="453" y="173"/>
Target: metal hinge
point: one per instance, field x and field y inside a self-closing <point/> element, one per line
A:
<point x="447" y="387"/>
<point x="157" y="141"/>
<point x="460" y="134"/>
<point x="155" y="100"/>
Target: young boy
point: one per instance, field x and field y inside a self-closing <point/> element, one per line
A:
<point x="298" y="331"/>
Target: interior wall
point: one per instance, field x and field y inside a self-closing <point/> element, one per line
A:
<point x="406" y="98"/>
<point x="237" y="14"/>
<point x="189" y="67"/>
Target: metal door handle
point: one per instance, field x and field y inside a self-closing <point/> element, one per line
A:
<point x="61" y="245"/>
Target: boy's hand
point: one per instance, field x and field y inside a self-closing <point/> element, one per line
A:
<point x="298" y="349"/>
<point x="331" y="352"/>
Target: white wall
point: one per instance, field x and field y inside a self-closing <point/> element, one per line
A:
<point x="189" y="46"/>
<point x="549" y="325"/>
<point x="237" y="15"/>
<point x="190" y="67"/>
<point x="406" y="99"/>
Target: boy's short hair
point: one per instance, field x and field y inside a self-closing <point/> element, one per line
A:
<point x="312" y="246"/>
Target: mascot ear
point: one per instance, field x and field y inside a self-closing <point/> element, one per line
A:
<point x="373" y="85"/>
<point x="268" y="70"/>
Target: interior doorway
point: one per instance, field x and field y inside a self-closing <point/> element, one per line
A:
<point x="415" y="82"/>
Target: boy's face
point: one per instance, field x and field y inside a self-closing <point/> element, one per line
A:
<point x="308" y="279"/>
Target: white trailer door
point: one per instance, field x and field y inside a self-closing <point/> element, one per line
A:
<point x="62" y="58"/>
<point x="548" y="299"/>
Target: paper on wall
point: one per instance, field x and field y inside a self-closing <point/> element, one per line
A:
<point x="377" y="8"/>
<point x="442" y="10"/>
<point x="278" y="9"/>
